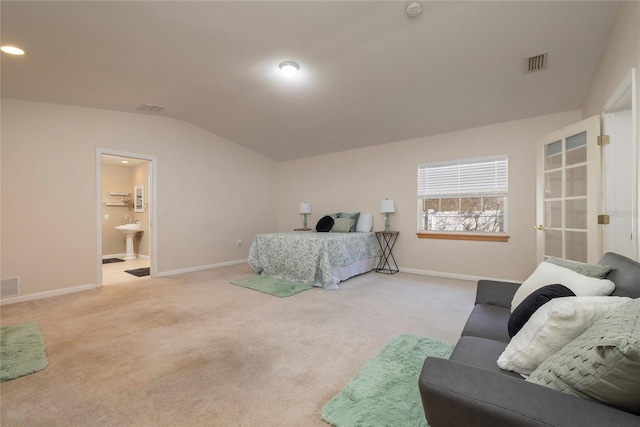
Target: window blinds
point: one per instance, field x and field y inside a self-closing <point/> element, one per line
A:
<point x="465" y="178"/>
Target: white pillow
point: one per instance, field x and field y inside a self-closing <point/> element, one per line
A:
<point x="551" y="327"/>
<point x="549" y="274"/>
<point x="365" y="223"/>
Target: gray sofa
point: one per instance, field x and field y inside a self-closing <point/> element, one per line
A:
<point x="469" y="389"/>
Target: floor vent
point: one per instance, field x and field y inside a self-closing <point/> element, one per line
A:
<point x="535" y="63"/>
<point x="150" y="108"/>
<point x="10" y="287"/>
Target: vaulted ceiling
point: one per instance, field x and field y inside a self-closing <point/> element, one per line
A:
<point x="369" y="74"/>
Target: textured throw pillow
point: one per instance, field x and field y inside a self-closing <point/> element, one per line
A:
<point x="354" y="216"/>
<point x="342" y="225"/>
<point x="551" y="327"/>
<point x="531" y="303"/>
<point x="325" y="224"/>
<point x="602" y="364"/>
<point x="590" y="270"/>
<point x="547" y="274"/>
<point x="365" y="223"/>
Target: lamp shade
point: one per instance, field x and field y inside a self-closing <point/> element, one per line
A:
<point x="305" y="208"/>
<point x="386" y="206"/>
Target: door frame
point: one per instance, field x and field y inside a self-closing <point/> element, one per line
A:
<point x="618" y="101"/>
<point x="153" y="239"/>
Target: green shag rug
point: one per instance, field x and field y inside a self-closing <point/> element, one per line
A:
<point x="21" y="351"/>
<point x="272" y="286"/>
<point x="385" y="391"/>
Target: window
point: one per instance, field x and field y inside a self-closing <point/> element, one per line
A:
<point x="465" y="196"/>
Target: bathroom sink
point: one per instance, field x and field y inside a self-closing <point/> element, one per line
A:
<point x="129" y="227"/>
<point x="129" y="231"/>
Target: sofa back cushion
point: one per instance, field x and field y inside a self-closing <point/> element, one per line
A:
<point x="625" y="273"/>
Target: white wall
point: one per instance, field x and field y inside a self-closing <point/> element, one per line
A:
<point x="620" y="55"/>
<point x="357" y="180"/>
<point x="210" y="191"/>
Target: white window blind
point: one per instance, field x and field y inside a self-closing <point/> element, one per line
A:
<point x="464" y="178"/>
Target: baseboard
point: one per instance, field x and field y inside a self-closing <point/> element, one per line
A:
<point x="453" y="275"/>
<point x="47" y="294"/>
<point x="199" y="268"/>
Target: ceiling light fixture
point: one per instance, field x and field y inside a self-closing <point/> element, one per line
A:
<point x="12" y="50"/>
<point x="289" y="68"/>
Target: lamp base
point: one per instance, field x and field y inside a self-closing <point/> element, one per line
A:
<point x="304" y="222"/>
<point x="386" y="222"/>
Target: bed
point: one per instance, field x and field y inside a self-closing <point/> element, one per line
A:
<point x="318" y="259"/>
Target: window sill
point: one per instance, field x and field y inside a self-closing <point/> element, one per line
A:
<point x="451" y="235"/>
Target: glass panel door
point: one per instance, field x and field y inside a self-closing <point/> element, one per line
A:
<point x="569" y="193"/>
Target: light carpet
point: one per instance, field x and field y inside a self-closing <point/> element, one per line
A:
<point x="21" y="351"/>
<point x="385" y="391"/>
<point x="272" y="286"/>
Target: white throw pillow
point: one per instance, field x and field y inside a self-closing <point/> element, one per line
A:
<point x="549" y="274"/>
<point x="365" y="222"/>
<point x="551" y="327"/>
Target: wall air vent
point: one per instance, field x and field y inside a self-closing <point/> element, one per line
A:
<point x="10" y="287"/>
<point x="150" y="108"/>
<point x="535" y="63"/>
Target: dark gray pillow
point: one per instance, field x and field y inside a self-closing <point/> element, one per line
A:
<point x="534" y="301"/>
<point x="325" y="224"/>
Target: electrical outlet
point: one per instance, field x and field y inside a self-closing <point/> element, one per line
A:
<point x="106" y="216"/>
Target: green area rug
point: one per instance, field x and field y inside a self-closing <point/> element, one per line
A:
<point x="272" y="286"/>
<point x="385" y="391"/>
<point x="21" y="351"/>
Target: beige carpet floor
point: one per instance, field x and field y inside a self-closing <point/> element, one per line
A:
<point x="195" y="350"/>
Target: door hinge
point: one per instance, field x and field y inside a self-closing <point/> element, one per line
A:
<point x="603" y="219"/>
<point x="603" y="140"/>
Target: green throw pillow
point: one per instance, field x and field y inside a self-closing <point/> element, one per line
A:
<point x="589" y="270"/>
<point x="354" y="216"/>
<point x="602" y="364"/>
<point x="342" y="225"/>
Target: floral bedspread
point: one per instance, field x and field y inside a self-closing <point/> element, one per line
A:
<point x="309" y="257"/>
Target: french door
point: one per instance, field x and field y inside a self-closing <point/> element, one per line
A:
<point x="569" y="193"/>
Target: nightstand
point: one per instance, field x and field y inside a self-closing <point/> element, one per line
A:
<point x="387" y="263"/>
<point x="302" y="229"/>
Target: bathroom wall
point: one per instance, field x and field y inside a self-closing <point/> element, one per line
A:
<point x="114" y="179"/>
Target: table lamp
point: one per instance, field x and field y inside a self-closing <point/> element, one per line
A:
<point x="305" y="209"/>
<point x="387" y="207"/>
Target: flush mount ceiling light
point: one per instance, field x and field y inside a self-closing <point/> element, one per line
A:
<point x="289" y="68"/>
<point x="12" y="50"/>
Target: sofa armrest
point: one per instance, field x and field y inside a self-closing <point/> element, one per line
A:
<point x="497" y="293"/>
<point x="455" y="394"/>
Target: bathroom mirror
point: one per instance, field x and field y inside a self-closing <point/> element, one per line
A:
<point x="138" y="198"/>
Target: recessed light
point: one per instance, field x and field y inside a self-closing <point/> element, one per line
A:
<point x="124" y="161"/>
<point x="289" y="68"/>
<point x="12" y="50"/>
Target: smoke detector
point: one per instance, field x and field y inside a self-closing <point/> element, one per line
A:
<point x="413" y="9"/>
<point x="149" y="108"/>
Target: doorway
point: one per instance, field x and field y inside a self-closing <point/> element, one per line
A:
<point x="126" y="217"/>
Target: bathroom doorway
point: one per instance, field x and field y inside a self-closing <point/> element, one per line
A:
<point x="126" y="220"/>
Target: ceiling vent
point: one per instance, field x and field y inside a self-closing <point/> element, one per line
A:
<point x="535" y="63"/>
<point x="150" y="108"/>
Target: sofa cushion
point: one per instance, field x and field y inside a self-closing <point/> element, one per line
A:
<point x="554" y="325"/>
<point x="480" y="352"/>
<point x="603" y="363"/>
<point x="534" y="301"/>
<point x="547" y="273"/>
<point x="488" y="321"/>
